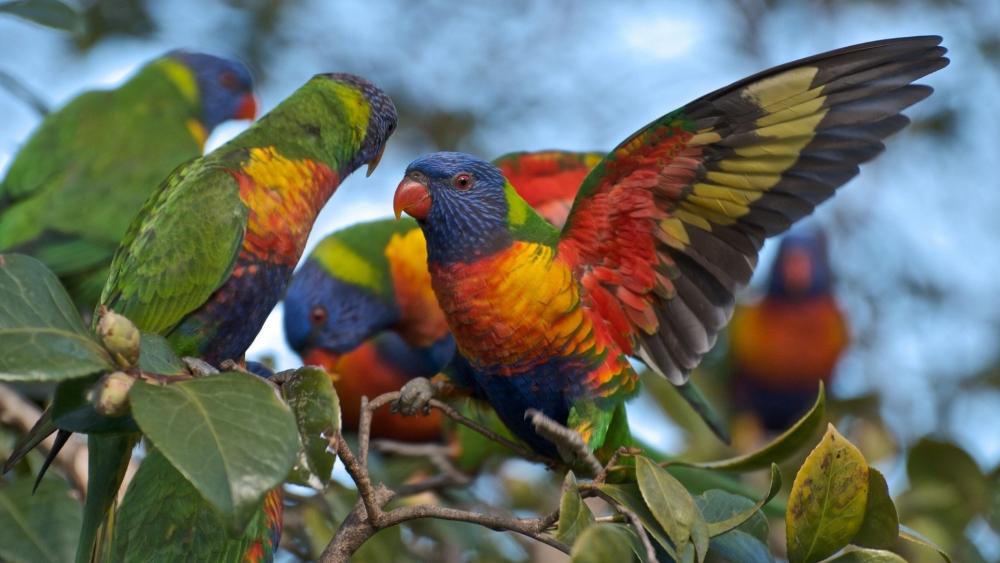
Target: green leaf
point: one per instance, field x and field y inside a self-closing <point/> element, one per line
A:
<point x="668" y="500"/>
<point x="827" y="503"/>
<point x="50" y="13"/>
<point x="574" y="515"/>
<point x="723" y="526"/>
<point x="229" y="434"/>
<point x="946" y="484"/>
<point x="628" y="495"/>
<point x="602" y="543"/>
<point x="861" y="555"/>
<point x="156" y="356"/>
<point x="913" y="536"/>
<point x="784" y="446"/>
<point x="309" y="392"/>
<point x="164" y="518"/>
<point x="748" y="541"/>
<point x="880" y="527"/>
<point x="701" y="405"/>
<point x="41" y="527"/>
<point x="107" y="460"/>
<point x="42" y="337"/>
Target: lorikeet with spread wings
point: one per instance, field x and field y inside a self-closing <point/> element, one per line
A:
<point x="789" y="341"/>
<point x="212" y="250"/>
<point x="662" y="233"/>
<point x="85" y="172"/>
<point x="362" y="305"/>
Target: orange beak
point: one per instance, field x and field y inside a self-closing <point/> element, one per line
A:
<point x="247" y="108"/>
<point x="322" y="358"/>
<point x="413" y="198"/>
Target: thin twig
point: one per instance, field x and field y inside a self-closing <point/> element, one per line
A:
<point x="530" y="527"/>
<point x="22" y="415"/>
<point x="466" y="421"/>
<point x="636" y="522"/>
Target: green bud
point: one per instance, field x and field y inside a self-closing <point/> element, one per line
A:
<point x="120" y="337"/>
<point x="111" y="394"/>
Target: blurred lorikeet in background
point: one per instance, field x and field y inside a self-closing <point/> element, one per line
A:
<point x="663" y="232"/>
<point x="212" y="250"/>
<point x="784" y="345"/>
<point x="84" y="173"/>
<point x="362" y="305"/>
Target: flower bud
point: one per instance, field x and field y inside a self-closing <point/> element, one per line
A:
<point x="111" y="394"/>
<point x="120" y="337"/>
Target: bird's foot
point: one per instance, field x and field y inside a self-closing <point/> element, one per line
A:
<point x="573" y="450"/>
<point x="415" y="397"/>
<point x="198" y="367"/>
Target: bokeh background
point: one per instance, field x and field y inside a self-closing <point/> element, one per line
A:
<point x="914" y="239"/>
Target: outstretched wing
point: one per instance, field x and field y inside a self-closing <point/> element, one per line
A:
<point x="548" y="180"/>
<point x="179" y="249"/>
<point x="667" y="227"/>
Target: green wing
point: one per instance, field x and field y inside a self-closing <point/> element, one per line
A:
<point x="82" y="175"/>
<point x="179" y="249"/>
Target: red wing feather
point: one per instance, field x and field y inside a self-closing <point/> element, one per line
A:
<point x="667" y="227"/>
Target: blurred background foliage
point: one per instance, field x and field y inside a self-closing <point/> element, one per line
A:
<point x="912" y="240"/>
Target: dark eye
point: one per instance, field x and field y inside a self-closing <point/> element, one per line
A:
<point x="317" y="316"/>
<point x="229" y="81"/>
<point x="462" y="181"/>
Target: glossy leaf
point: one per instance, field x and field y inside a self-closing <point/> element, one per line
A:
<point x="722" y="526"/>
<point x="38" y="528"/>
<point x="668" y="500"/>
<point x="745" y="543"/>
<point x="628" y="495"/>
<point x="880" y="527"/>
<point x="827" y="503"/>
<point x="310" y="394"/>
<point x="42" y="337"/>
<point x="164" y="518"/>
<point x="861" y="555"/>
<point x="784" y="446"/>
<point x="574" y="515"/>
<point x="603" y="543"/>
<point x="228" y="434"/>
<point x="913" y="536"/>
<point x="50" y="13"/>
<point x="156" y="356"/>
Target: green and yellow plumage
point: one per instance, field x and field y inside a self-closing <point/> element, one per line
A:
<point x="72" y="190"/>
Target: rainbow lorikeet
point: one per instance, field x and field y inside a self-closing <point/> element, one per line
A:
<point x="663" y="232"/>
<point x="85" y="172"/>
<point x="211" y="252"/>
<point x="362" y="305"/>
<point x="785" y="344"/>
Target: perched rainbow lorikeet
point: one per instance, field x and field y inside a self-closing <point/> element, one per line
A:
<point x="85" y="172"/>
<point x="663" y="232"/>
<point x="362" y="305"/>
<point x="212" y="251"/>
<point x="784" y="345"/>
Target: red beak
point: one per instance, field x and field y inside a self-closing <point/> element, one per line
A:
<point x="322" y="358"/>
<point x="247" y="108"/>
<point x="413" y="198"/>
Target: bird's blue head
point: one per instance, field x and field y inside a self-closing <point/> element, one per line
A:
<point x="462" y="205"/>
<point x="326" y="316"/>
<point x="802" y="268"/>
<point x="225" y="87"/>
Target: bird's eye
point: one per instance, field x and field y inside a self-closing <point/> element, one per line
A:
<point x="462" y="181"/>
<point x="317" y="316"/>
<point x="229" y="81"/>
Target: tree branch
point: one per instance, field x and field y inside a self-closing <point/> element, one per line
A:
<point x="22" y="414"/>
